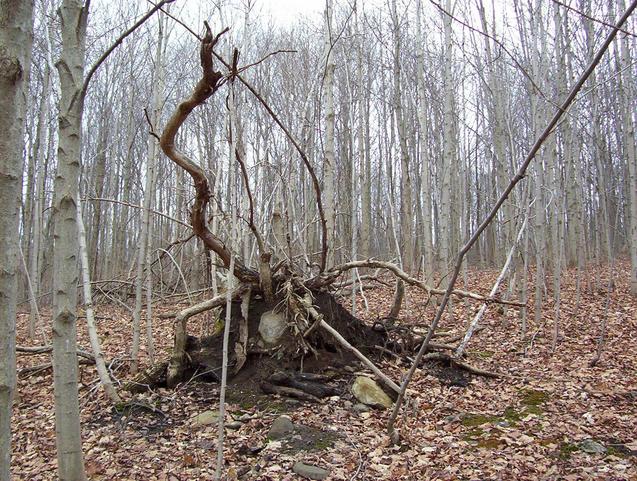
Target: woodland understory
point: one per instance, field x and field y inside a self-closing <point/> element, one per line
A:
<point x="525" y="425"/>
<point x="232" y="228"/>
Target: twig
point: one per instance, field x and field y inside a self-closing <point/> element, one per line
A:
<point x="115" y="44"/>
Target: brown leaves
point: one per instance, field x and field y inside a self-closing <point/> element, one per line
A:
<point x="531" y="428"/>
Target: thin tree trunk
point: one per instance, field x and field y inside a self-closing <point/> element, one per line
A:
<point x="73" y="16"/>
<point x="102" y="371"/>
<point x="142" y="257"/>
<point x="329" y="164"/>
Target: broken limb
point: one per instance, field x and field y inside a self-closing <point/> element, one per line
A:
<point x="177" y="362"/>
<point x="331" y="275"/>
<point x="494" y="291"/>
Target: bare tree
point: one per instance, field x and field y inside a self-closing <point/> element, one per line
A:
<point x="73" y="17"/>
<point x="16" y="24"/>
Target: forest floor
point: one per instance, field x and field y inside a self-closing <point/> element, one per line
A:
<point x="543" y="420"/>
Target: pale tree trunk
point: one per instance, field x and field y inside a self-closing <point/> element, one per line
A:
<point x="363" y="147"/>
<point x="498" y="134"/>
<point x="230" y="283"/>
<point x="40" y="156"/>
<point x="143" y="257"/>
<point x="330" y="161"/>
<point x="16" y="25"/>
<point x="73" y="17"/>
<point x="424" y="157"/>
<point x="448" y="148"/>
<point x="631" y="158"/>
<point x="102" y="371"/>
<point x="406" y="217"/>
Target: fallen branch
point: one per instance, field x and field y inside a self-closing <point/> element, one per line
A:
<point x="329" y="277"/>
<point x="478" y="317"/>
<point x="46" y="349"/>
<point x="383" y="377"/>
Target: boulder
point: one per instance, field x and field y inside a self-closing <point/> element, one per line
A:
<point x="591" y="446"/>
<point x="310" y="472"/>
<point x="281" y="427"/>
<point x="205" y="418"/>
<point x="272" y="326"/>
<point x="368" y="392"/>
<point x="361" y="408"/>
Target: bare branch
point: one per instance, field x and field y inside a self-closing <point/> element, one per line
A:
<point x="205" y="88"/>
<point x="332" y="274"/>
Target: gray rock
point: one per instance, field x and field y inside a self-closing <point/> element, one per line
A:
<point x="281" y="427"/>
<point x="368" y="392"/>
<point x="310" y="472"/>
<point x="272" y="326"/>
<point x="591" y="446"/>
<point x="205" y="418"/>
<point x="453" y="418"/>
<point x="361" y="408"/>
<point x="234" y="425"/>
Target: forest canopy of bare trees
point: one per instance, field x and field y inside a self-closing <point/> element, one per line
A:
<point x="181" y="157"/>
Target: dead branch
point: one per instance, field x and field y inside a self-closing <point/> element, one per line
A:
<point x="331" y="275"/>
<point x="205" y="88"/>
<point x="46" y="349"/>
<point x="382" y="376"/>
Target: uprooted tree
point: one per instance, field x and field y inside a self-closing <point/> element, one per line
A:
<point x="279" y="310"/>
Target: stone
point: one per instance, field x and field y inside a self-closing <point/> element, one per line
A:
<point x="368" y="392"/>
<point x="272" y="326"/>
<point x="591" y="446"/>
<point x="308" y="471"/>
<point x="234" y="425"/>
<point x="281" y="427"/>
<point x="361" y="408"/>
<point x="205" y="418"/>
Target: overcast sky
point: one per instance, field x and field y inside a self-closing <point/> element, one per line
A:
<point x="287" y="11"/>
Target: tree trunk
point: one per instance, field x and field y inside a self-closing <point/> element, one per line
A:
<point x="16" y="25"/>
<point x="149" y="194"/>
<point x="73" y="16"/>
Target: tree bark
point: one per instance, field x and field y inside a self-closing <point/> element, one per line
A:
<point x="16" y="25"/>
<point x="73" y="17"/>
